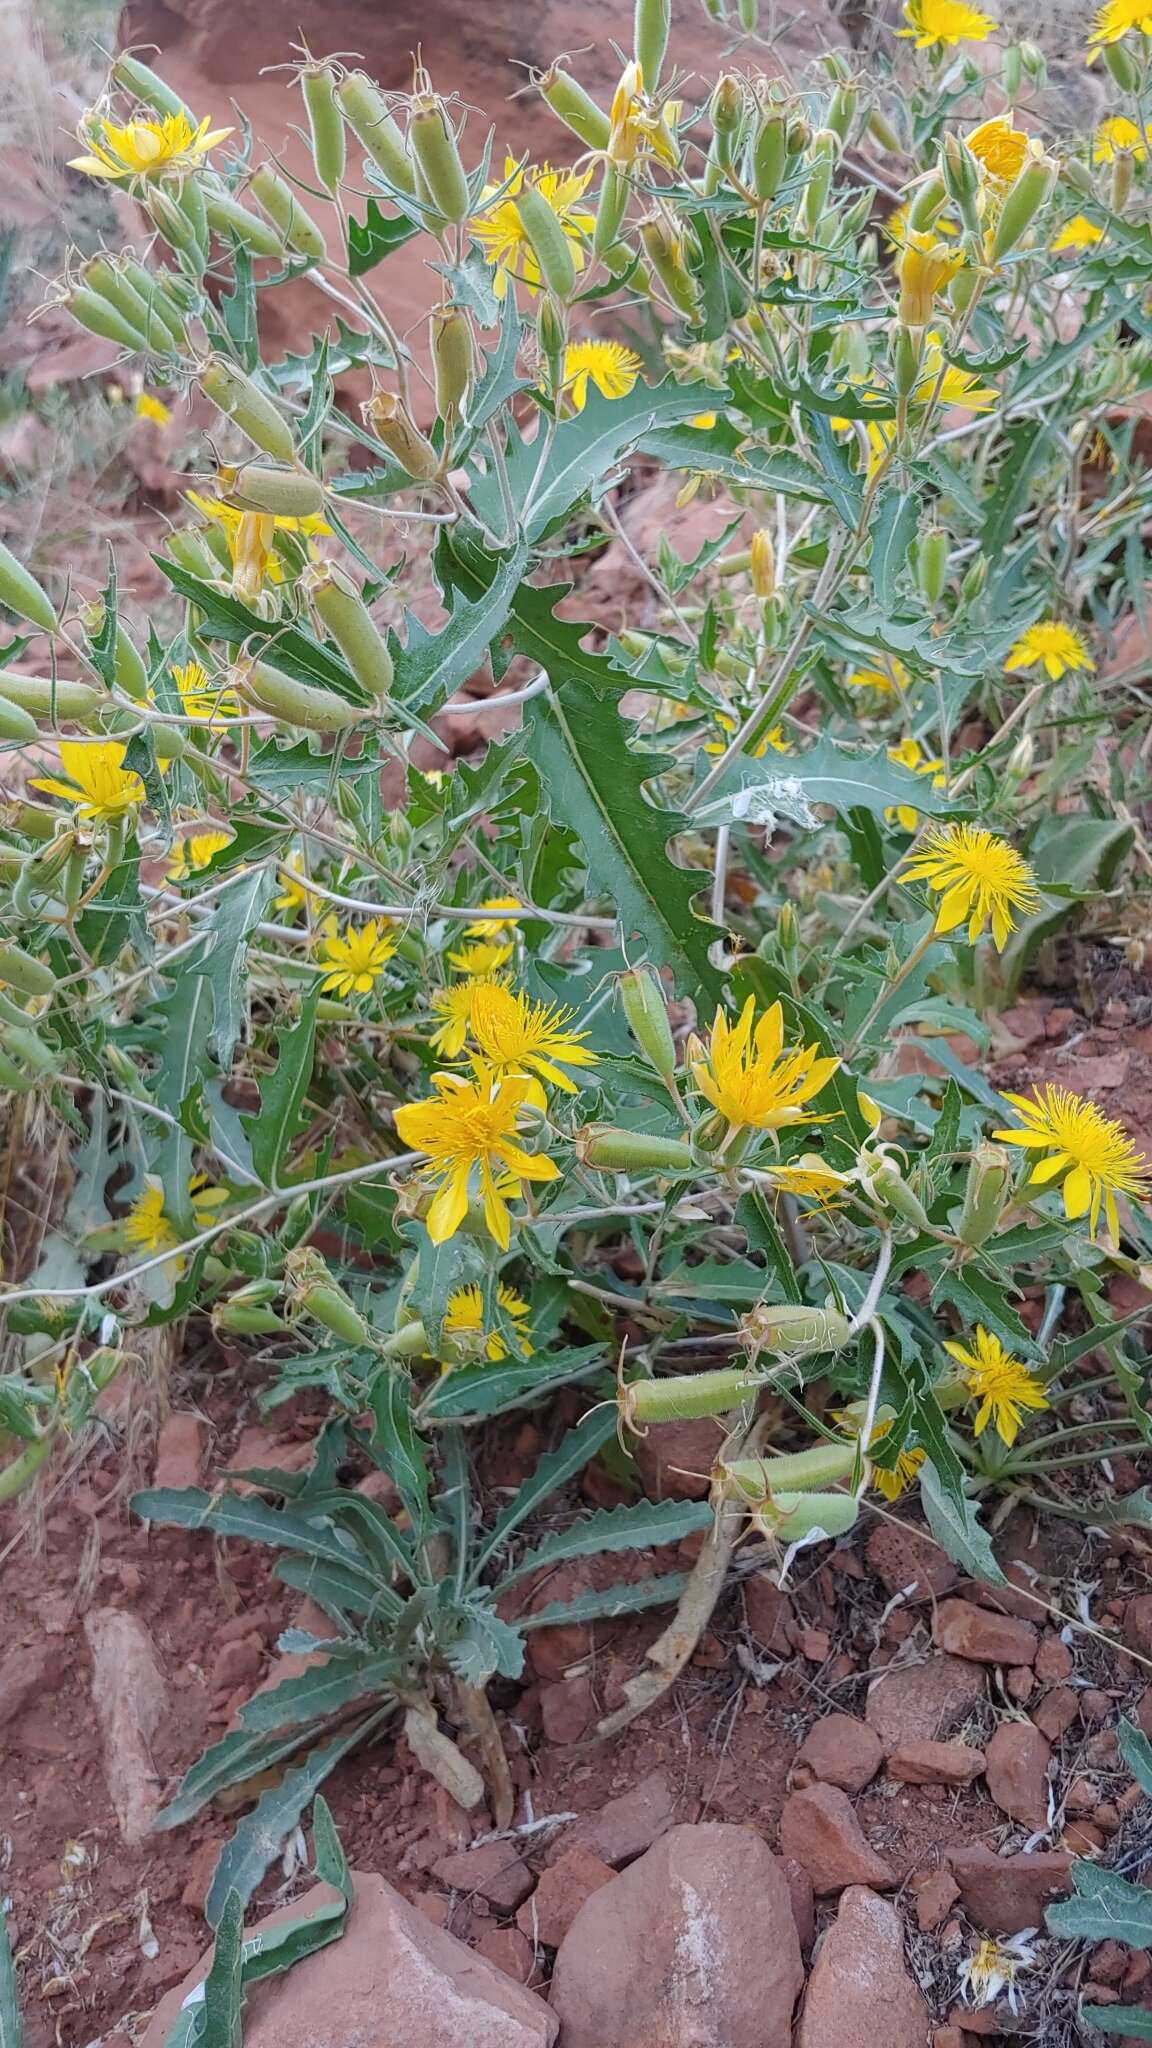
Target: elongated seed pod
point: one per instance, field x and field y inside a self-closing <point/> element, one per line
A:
<point x="22" y="594"/>
<point x="226" y="217"/>
<point x="23" y="971"/>
<point x="16" y="723"/>
<point x="326" y="123"/>
<point x="548" y="241"/>
<point x="651" y="25"/>
<point x="799" y="1471"/>
<point x="246" y="1319"/>
<point x="889" y="1184"/>
<point x="792" y="1327"/>
<point x="769" y="155"/>
<point x="610" y="209"/>
<point x="1122" y="65"/>
<point x="402" y="438"/>
<point x="155" y="291"/>
<point x="347" y="618"/>
<point x="1029" y="192"/>
<point x="303" y="704"/>
<point x="366" y="112"/>
<point x="288" y="493"/>
<point x="789" y="1517"/>
<point x="189" y="198"/>
<point x="842" y="110"/>
<point x="129" y="667"/>
<point x="280" y="203"/>
<point x="452" y="359"/>
<point x="619" y="1151"/>
<point x="111" y="284"/>
<point x="169" y="221"/>
<point x="575" y="107"/>
<point x="665" y="252"/>
<point x="686" y="1397"/>
<point x="985" y="1193"/>
<point x="932" y="564"/>
<point x="433" y="145"/>
<point x="189" y="549"/>
<point x="101" y="317"/>
<point x="881" y="130"/>
<point x="146" y="85"/>
<point x="234" y="393"/>
<point x="647" y="1015"/>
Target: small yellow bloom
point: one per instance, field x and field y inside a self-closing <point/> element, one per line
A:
<point x="149" y="407"/>
<point x="516" y="1035"/>
<point x="499" y="230"/>
<point x="100" y="785"/>
<point x="454" y="1006"/>
<point x="464" y="1317"/>
<point x="469" y="1130"/>
<point x="1003" y="1387"/>
<point x="250" y="537"/>
<point x="1059" y="648"/>
<point x="980" y="877"/>
<point x="1077" y="233"/>
<point x="999" y="146"/>
<point x="776" y="738"/>
<point x="1117" y="133"/>
<point x="888" y="682"/>
<point x="638" y="126"/>
<point x="483" y="958"/>
<point x="894" y="1480"/>
<point x="294" y="894"/>
<point x="924" y="267"/>
<point x="202" y="699"/>
<point x="808" y="1175"/>
<point x="910" y="754"/>
<point x="358" y="956"/>
<point x="703" y="420"/>
<point x="144" y="149"/>
<point x="493" y="923"/>
<point x="147" y="1228"/>
<point x="1117" y="19"/>
<point x="194" y="852"/>
<point x="752" y="1079"/>
<point x="942" y="24"/>
<point x="611" y="367"/>
<point x="1093" y="1150"/>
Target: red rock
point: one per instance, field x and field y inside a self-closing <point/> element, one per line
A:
<point x="626" y="1826"/>
<point x="567" y="1709"/>
<point x="1081" y="1795"/>
<point x="983" y="2020"/>
<point x="1006" y="1894"/>
<point x="1083" y="1838"/>
<point x="507" y="1950"/>
<point x="675" y="1459"/>
<point x="1056" y="1712"/>
<point x="1102" y="1750"/>
<point x="1095" y="1705"/>
<point x="948" y="2037"/>
<point x="1017" y="1772"/>
<point x="131" y="1702"/>
<point x="820" y="1831"/>
<point x="551" y="1650"/>
<point x="1138" y="1624"/>
<point x="180" y="1450"/>
<point x="562" y="1890"/>
<point x="922" y="1702"/>
<point x="860" y="1989"/>
<point x="840" y="1750"/>
<point x="803" y="1900"/>
<point x="1054" y="1661"/>
<point x="768" y="1612"/>
<point x="907" y="1562"/>
<point x="936" y="1763"/>
<point x="237" y="1663"/>
<point x="815" y="1644"/>
<point x="984" y="1637"/>
<point x="393" y="1977"/>
<point x="1143" y="1712"/>
<point x="695" y="1943"/>
<point x="493" y="1871"/>
<point x="934" y="1895"/>
<point x="1020" y="1684"/>
<point x="27" y="1671"/>
<point x="1107" y="1816"/>
<point x="1108" y="1963"/>
<point x="261" y="1450"/>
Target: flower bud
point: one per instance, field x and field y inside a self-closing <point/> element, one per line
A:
<point x="975" y="579"/>
<point x="390" y="423"/>
<point x="548" y="242"/>
<point x="326" y="124"/>
<point x="932" y="564"/>
<point x="923" y="268"/>
<point x="1122" y="164"/>
<point x="575" y="107"/>
<point x="907" y="354"/>
<point x="170" y="220"/>
<point x="21" y="593"/>
<point x="22" y="971"/>
<point x="1035" y="62"/>
<point x="1011" y="72"/>
<point x="664" y="248"/>
<point x="1030" y="192"/>
<point x="893" y="1192"/>
<point x="647" y="1015"/>
<point x="652" y="21"/>
<point x="274" y="194"/>
<point x="101" y="317"/>
<point x="433" y="145"/>
<point x="312" y="1290"/>
<point x="986" y="1190"/>
<point x="1022" y="757"/>
<point x="366" y="111"/>
<point x="763" y="564"/>
<point x="962" y="178"/>
<point x="611" y="1150"/>
<point x="727" y="111"/>
<point x="1123" y="66"/>
<point x="346" y="617"/>
<point x="842" y="110"/>
<point x="226" y="217"/>
<point x="305" y="704"/>
<point x="769" y="154"/>
<point x="793" y="1328"/>
<point x="927" y="201"/>
<point x="451" y="336"/>
<point x="234" y="394"/>
<point x="881" y="130"/>
<point x="799" y="135"/>
<point x="611" y="207"/>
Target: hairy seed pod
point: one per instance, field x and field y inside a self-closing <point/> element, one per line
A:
<point x="791" y="1517"/>
<point x="986" y="1190"/>
<point x="685" y="1398"/>
<point x="303" y="704"/>
<point x="279" y="201"/>
<point x="155" y="289"/>
<point x="346" y="617"/>
<point x="975" y="579"/>
<point x="618" y="1151"/>
<point x="769" y="154"/>
<point x="1030" y="192"/>
<point x="146" y="85"/>
<point x="129" y="667"/>
<point x="22" y="594"/>
<point x="287" y="493"/>
<point x="652" y="22"/>
<point x="401" y="436"/>
<point x="43" y="696"/>
<point x="1011" y="72"/>
<point x="16" y="723"/>
<point x="452" y="358"/>
<point x="42" y="1317"/>
<point x="793" y="1328"/>
<point x="611" y="207"/>
<point x="245" y="1318"/>
<point x="927" y="202"/>
<point x="21" y="970"/>
<point x="226" y="217"/>
<point x="21" y="1043"/>
<point x="234" y="394"/>
<point x="932" y="564"/>
<point x="189" y="549"/>
<point x="548" y="242"/>
<point x="366" y="111"/>
<point x="821" y="1465"/>
<point x="22" y="1470"/>
<point x="647" y="1016"/>
<point x="891" y="1188"/>
<point x="749" y="15"/>
<point x="1121" y="192"/>
<point x="433" y="144"/>
<point x="170" y="221"/>
<point x="1123" y="66"/>
<point x="881" y="130"/>
<point x="842" y="111"/>
<point x="907" y="354"/>
<point x="139" y="311"/>
<point x="189" y="198"/>
<point x="101" y="317"/>
<point x="326" y="124"/>
<point x="575" y="107"/>
<point x="664" y="249"/>
<point x="312" y="1289"/>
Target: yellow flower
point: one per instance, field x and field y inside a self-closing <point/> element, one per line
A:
<point x="941" y="24"/>
<point x="637" y="126"/>
<point x="358" y="956"/>
<point x="294" y="895"/>
<point x="980" y="877"/>
<point x="911" y="755"/>
<point x="1077" y="233"/>
<point x="1100" y="1159"/>
<point x="464" y="1317"/>
<point x="999" y="146"/>
<point x="490" y="926"/>
<point x="100" y="785"/>
<point x="1116" y="19"/>
<point x="611" y="367"/>
<point x="751" y="1078"/>
<point x="470" y="1132"/>
<point x="1117" y="133"/>
<point x="889" y="682"/>
<point x="775" y="738"/>
<point x="250" y="537"/>
<point x="1058" y="647"/>
<point x="499" y="230"/>
<point x="200" y="698"/>
<point x="191" y="854"/>
<point x="515" y="1035"/>
<point x="147" y="1228"/>
<point x="809" y="1176"/>
<point x="894" y="1481"/>
<point x="454" y="1005"/>
<point x="483" y="958"/>
<point x="999" y="1382"/>
<point x="148" y="407"/>
<point x="924" y="267"/>
<point x="144" y="149"/>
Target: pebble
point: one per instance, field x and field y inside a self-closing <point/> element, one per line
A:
<point x="936" y="1763"/>
<point x="820" y="1831"/>
<point x="983" y="1636"/>
<point x="1017" y="1771"/>
<point x="840" y="1750"/>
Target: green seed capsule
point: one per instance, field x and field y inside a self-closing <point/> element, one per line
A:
<point x="686" y="1397"/>
<point x="155" y="292"/>
<point x="246" y="1319"/>
<point x="1012" y="72"/>
<point x="303" y="704"/>
<point x="23" y="1044"/>
<point x="928" y="200"/>
<point x="16" y="723"/>
<point x="129" y="667"/>
<point x="280" y="203"/>
<point x="402" y="438"/>
<point x="907" y="354"/>
<point x="610" y="210"/>
<point x="101" y="317"/>
<point x="146" y="85"/>
<point x="647" y="1015"/>
<point x="652" y="23"/>
<point x="42" y="1317"/>
<point x="986" y="1190"/>
<point x="881" y="130"/>
<point x="842" y="111"/>
<point x="20" y="970"/>
<point x="169" y="221"/>
<point x="932" y="564"/>
<point x="188" y="549"/>
<point x="287" y="493"/>
<point x="347" y="618"/>
<point x="769" y="155"/>
<point x="749" y="15"/>
<point x="433" y="145"/>
<point x="665" y="252"/>
<point x="21" y="593"/>
<point x="109" y="283"/>
<point x="889" y="1184"/>
<point x="326" y="123"/>
<point x="790" y="1517"/>
<point x="1030" y="192"/>
<point x="451" y="337"/>
<point x="1123" y="66"/>
<point x="311" y="1288"/>
<point x="16" y="1476"/>
<point x="619" y="1151"/>
<point x="793" y="1328"/>
<point x="822" y="1465"/>
<point x="226" y="217"/>
<point x="189" y="197"/>
<point x="1121" y="192"/>
<point x="366" y="112"/>
<point x="575" y="107"/>
<point x="233" y="393"/>
<point x="548" y="241"/>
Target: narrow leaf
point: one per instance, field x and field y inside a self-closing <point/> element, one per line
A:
<point x="953" y="1522"/>
<point x="613" y="1601"/>
<point x="631" y="1527"/>
<point x="261" y="1835"/>
<point x="552" y="1471"/>
<point x="282" y="1094"/>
